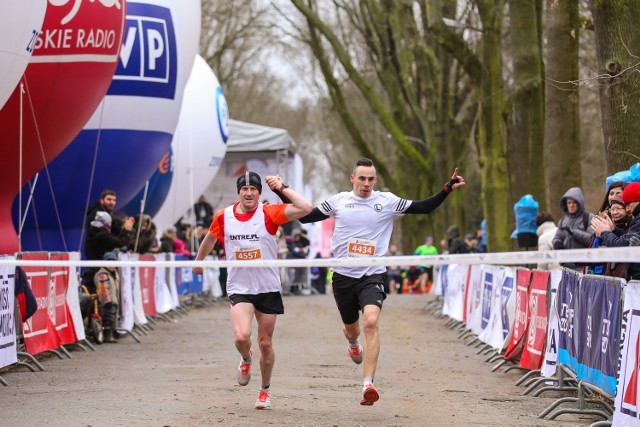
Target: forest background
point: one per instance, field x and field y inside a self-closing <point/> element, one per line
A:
<point x="524" y="96"/>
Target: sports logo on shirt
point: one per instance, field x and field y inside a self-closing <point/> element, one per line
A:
<point x="377" y="207"/>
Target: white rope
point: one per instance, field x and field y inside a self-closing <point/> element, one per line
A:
<point x="625" y="254"/>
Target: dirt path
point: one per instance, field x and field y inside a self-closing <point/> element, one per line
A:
<point x="183" y="374"/>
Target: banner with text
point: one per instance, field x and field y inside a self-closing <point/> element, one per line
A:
<point x="551" y="348"/>
<point x="567" y="311"/>
<point x="8" y="349"/>
<point x="533" y="351"/>
<point x="627" y="408"/>
<point x="521" y="319"/>
<point x="39" y="330"/>
<point x="598" y="317"/>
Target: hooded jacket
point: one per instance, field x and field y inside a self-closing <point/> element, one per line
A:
<point x="572" y="233"/>
<point x="546" y="232"/>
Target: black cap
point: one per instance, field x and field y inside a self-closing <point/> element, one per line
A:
<point x="249" y="178"/>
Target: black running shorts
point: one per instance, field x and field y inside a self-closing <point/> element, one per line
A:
<point x="352" y="295"/>
<point x="267" y="303"/>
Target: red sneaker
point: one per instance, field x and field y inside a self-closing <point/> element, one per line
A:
<point x="369" y="395"/>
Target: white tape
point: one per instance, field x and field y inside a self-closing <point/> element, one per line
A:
<point x="625" y="254"/>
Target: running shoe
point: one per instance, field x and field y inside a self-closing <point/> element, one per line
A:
<point x="355" y="354"/>
<point x="244" y="371"/>
<point x="264" y="400"/>
<point x="369" y="395"/>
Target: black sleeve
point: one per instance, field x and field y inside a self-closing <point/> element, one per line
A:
<point x="427" y="205"/>
<point x="314" y="216"/>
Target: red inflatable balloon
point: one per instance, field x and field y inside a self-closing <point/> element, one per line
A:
<point x="68" y="75"/>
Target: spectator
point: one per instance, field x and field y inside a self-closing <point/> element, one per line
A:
<point x="546" y="232"/>
<point x="203" y="211"/>
<point x="100" y="238"/>
<point x="604" y="227"/>
<point x="319" y="277"/>
<point x="299" y="249"/>
<point x="471" y="242"/>
<point x="426" y="273"/>
<point x="107" y="283"/>
<point x="107" y="203"/>
<point x="169" y="236"/>
<point x="615" y="189"/>
<point x="574" y="231"/>
<point x="481" y="237"/>
<point x="180" y="248"/>
<point x="455" y="244"/>
<point x="144" y="236"/>
<point x="197" y="237"/>
<point x="621" y="219"/>
<point x="394" y="273"/>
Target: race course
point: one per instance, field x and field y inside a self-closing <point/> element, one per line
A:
<point x="183" y="374"/>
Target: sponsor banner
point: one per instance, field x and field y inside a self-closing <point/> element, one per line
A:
<point x="161" y="288"/>
<point x="172" y="281"/>
<point x="127" y="279"/>
<point x="497" y="332"/>
<point x="521" y="319"/>
<point x="454" y="297"/>
<point x="59" y="279"/>
<point x="490" y="283"/>
<point x="147" y="286"/>
<point x="441" y="284"/>
<point x="39" y="331"/>
<point x="474" y="303"/>
<point x="627" y="409"/>
<point x="8" y="349"/>
<point x="533" y="351"/>
<point x="186" y="281"/>
<point x="598" y="317"/>
<point x="551" y="349"/>
<point x="73" y="299"/>
<point x="567" y="312"/>
<point x="139" y="317"/>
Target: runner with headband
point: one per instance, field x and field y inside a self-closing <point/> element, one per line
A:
<point x="363" y="225"/>
<point x="248" y="231"/>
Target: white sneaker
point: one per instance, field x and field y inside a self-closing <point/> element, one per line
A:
<point x="244" y="371"/>
<point x="264" y="400"/>
<point x="356" y="354"/>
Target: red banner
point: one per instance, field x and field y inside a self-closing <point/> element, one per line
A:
<point x="59" y="278"/>
<point x="39" y="331"/>
<point x="521" y="321"/>
<point x="147" y="286"/>
<point x="533" y="352"/>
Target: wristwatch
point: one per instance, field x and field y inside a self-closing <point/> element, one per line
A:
<point x="283" y="186"/>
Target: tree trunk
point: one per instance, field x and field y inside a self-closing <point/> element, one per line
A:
<point x="617" y="30"/>
<point x="562" y="118"/>
<point x="526" y="125"/>
<point x="493" y="156"/>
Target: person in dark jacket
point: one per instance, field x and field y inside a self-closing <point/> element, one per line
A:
<point x="455" y="243"/>
<point x="605" y="228"/>
<point x="99" y="237"/>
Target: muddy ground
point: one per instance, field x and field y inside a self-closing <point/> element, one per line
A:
<point x="183" y="374"/>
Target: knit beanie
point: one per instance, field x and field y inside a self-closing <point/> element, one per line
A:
<point x="631" y="193"/>
<point x="249" y="178"/>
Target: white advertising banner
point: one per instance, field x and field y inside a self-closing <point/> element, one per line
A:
<point x="8" y="349"/>
<point x="73" y="298"/>
<point x="161" y="289"/>
<point x="126" y="295"/>
<point x="627" y="408"/>
<point x="139" y="318"/>
<point x="474" y="299"/>
<point x="211" y="281"/>
<point x="454" y="296"/>
<point x="548" y="368"/>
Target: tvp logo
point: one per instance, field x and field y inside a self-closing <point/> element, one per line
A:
<point x="148" y="58"/>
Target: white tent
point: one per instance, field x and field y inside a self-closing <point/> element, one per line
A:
<point x="261" y="149"/>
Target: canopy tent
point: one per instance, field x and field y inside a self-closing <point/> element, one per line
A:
<point x="245" y="137"/>
<point x="262" y="149"/>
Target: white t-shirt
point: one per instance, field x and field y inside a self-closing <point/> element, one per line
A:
<point x="250" y="240"/>
<point x="363" y="227"/>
